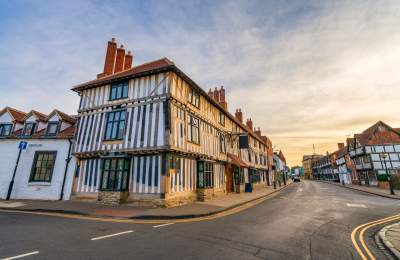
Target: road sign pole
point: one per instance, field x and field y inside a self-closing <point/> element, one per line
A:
<point x="13" y="177"/>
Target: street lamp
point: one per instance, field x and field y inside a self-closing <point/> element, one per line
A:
<point x="384" y="156"/>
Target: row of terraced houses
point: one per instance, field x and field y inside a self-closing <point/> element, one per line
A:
<point x="145" y="134"/>
<point x="367" y="158"/>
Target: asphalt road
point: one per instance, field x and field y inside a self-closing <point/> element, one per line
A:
<point x="308" y="220"/>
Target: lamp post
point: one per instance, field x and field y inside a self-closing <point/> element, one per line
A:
<point x="384" y="156"/>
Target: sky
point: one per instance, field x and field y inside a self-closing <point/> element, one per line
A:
<point x="306" y="72"/>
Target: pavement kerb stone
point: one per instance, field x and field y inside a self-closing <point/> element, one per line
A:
<point x="154" y="217"/>
<point x="365" y="191"/>
<point x="386" y="242"/>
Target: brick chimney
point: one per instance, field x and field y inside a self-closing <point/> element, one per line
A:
<point x="211" y="93"/>
<point x="222" y="99"/>
<point x="216" y="95"/>
<point x="119" y="61"/>
<point x="239" y="115"/>
<point x="128" y="61"/>
<point x="340" y="145"/>
<point x="258" y="132"/>
<point x="249" y="124"/>
<point x="110" y="59"/>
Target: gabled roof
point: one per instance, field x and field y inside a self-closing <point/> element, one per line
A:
<point x="373" y="135"/>
<point x="136" y="71"/>
<point x="17" y="115"/>
<point x="281" y="156"/>
<point x="40" y="116"/>
<point x="62" y="115"/>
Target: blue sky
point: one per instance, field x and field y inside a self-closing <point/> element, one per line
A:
<point x="305" y="71"/>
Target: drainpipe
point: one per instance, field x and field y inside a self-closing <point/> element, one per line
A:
<point x="67" y="160"/>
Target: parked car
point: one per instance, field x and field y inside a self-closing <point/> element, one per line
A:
<point x="296" y="178"/>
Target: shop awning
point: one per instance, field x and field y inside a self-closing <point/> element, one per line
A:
<point x="237" y="161"/>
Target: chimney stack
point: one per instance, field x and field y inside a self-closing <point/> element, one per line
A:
<point x="239" y="115"/>
<point x="222" y="99"/>
<point x="110" y="58"/>
<point x="119" y="61"/>
<point x="258" y="132"/>
<point x="211" y="93"/>
<point x="128" y="61"/>
<point x="249" y="124"/>
<point x="116" y="59"/>
<point x="340" y="145"/>
<point x="216" y="95"/>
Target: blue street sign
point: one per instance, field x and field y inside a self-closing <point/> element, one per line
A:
<point x="22" y="145"/>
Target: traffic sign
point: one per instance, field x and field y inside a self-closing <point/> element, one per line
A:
<point x="22" y="145"/>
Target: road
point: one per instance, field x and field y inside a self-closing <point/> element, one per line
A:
<point x="308" y="220"/>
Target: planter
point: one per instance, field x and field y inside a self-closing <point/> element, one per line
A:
<point x="383" y="185"/>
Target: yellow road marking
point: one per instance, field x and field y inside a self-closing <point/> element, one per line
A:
<point x="363" y="228"/>
<point x="145" y="221"/>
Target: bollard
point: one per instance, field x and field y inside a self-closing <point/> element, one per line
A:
<point x="275" y="185"/>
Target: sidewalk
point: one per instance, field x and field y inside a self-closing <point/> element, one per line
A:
<point x="390" y="236"/>
<point x="371" y="190"/>
<point x="196" y="209"/>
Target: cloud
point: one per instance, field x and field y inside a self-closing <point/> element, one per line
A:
<point x="305" y="71"/>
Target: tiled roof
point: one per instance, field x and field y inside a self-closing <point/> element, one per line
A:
<point x="21" y="117"/>
<point x="130" y="73"/>
<point x="16" y="114"/>
<point x="64" y="117"/>
<point x="39" y="115"/>
<point x="237" y="160"/>
<point x="372" y="136"/>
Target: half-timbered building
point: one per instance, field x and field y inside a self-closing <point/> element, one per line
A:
<point x="149" y="133"/>
<point x="374" y="152"/>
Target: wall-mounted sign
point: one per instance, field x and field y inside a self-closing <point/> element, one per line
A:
<point x="35" y="145"/>
<point x="243" y="141"/>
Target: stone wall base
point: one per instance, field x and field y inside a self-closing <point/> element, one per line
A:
<point x="112" y="197"/>
<point x="180" y="198"/>
<point x="205" y="194"/>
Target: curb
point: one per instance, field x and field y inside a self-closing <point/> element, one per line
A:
<point x="152" y="217"/>
<point x="386" y="242"/>
<point x="369" y="192"/>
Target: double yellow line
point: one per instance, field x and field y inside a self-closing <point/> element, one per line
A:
<point x="361" y="230"/>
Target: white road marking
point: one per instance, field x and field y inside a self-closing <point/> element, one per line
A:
<point x="299" y="190"/>
<point x="20" y="256"/>
<point x="11" y="204"/>
<point x="162" y="225"/>
<point x="112" y="235"/>
<point x="355" y="205"/>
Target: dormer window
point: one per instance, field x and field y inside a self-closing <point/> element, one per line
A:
<point x="52" y="128"/>
<point x="119" y="90"/>
<point x="29" y="129"/>
<point x="5" y="129"/>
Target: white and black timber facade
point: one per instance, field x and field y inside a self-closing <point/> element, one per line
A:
<point x="150" y="133"/>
